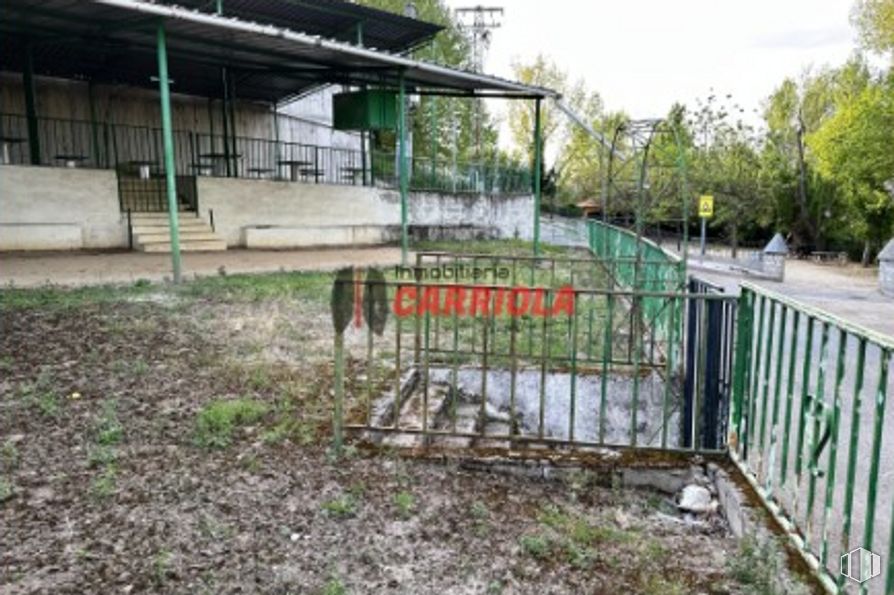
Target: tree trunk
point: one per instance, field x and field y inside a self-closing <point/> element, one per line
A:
<point x="867" y="253"/>
<point x="734" y="236"/>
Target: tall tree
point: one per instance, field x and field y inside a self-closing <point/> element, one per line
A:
<point x="854" y="149"/>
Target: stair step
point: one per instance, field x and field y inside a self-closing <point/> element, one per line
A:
<point x="185" y="236"/>
<point x="186" y="246"/>
<point x="158" y="233"/>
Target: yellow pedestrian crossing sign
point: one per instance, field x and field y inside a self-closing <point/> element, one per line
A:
<point x="706" y="206"/>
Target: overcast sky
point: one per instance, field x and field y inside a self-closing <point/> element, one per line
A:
<point x="642" y="55"/>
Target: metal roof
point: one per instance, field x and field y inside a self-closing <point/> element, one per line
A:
<point x="333" y="19"/>
<point x="114" y="41"/>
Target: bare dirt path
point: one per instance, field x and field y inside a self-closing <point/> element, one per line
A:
<point x="93" y="268"/>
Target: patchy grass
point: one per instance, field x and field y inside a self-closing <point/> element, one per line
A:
<point x="342" y="507"/>
<point x="500" y="247"/>
<point x="218" y="420"/>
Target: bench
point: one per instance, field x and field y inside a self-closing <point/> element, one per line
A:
<point x="828" y="256"/>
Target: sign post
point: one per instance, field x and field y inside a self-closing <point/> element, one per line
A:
<point x="705" y="211"/>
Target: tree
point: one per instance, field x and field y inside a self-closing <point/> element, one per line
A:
<point x="853" y="148"/>
<point x="447" y="124"/>
<point x="875" y="21"/>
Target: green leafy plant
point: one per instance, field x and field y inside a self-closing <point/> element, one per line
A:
<point x="341" y="507"/>
<point x="218" y="419"/>
<point x="405" y="503"/>
<point x="536" y="546"/>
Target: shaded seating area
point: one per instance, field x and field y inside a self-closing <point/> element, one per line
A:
<point x="256" y="58"/>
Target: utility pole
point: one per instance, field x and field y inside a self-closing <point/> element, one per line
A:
<point x="477" y="22"/>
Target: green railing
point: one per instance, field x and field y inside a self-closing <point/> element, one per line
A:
<point x="639" y="265"/>
<point x="810" y="430"/>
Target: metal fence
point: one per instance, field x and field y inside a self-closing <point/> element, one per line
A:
<point x="82" y="143"/>
<point x="542" y="351"/>
<point x="811" y="431"/>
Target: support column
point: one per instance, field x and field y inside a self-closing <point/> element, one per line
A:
<point x="30" y="107"/>
<point x="168" y="139"/>
<point x="402" y="167"/>
<point x="94" y="127"/>
<point x="225" y="109"/>
<point x="537" y="142"/>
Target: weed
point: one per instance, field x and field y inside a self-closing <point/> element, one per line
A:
<point x="342" y="507"/>
<point x="212" y="528"/>
<point x="108" y="430"/>
<point x="333" y="586"/>
<point x="104" y="484"/>
<point x="405" y="503"/>
<point x="9" y="455"/>
<point x="536" y="546"/>
<point x="100" y="456"/>
<point x="479" y="510"/>
<point x="552" y="516"/>
<point x="757" y="566"/>
<point x="6" y="489"/>
<point x="357" y="489"/>
<point x="578" y="556"/>
<point x="6" y="364"/>
<point x="655" y="584"/>
<point x="161" y="566"/>
<point x="139" y="367"/>
<point x="218" y="419"/>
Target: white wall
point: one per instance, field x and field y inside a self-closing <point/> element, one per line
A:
<point x="311" y="121"/>
<point x="40" y="207"/>
<point x="327" y="214"/>
<point x="70" y="208"/>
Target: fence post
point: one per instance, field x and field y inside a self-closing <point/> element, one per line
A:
<point x="742" y="363"/>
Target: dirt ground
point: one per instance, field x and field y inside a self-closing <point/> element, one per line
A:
<point x="92" y="268"/>
<point x="110" y="485"/>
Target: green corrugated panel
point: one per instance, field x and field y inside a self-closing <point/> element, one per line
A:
<point x="369" y="109"/>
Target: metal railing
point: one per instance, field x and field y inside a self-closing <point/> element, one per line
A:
<point x="810" y="429"/>
<point x="506" y="366"/>
<point x="82" y="143"/>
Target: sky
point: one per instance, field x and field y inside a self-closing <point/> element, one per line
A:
<point x="643" y="55"/>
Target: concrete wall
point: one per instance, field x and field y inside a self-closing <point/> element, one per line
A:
<point x="265" y="213"/>
<point x="52" y="208"/>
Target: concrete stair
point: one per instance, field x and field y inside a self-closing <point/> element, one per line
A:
<point x="151" y="233"/>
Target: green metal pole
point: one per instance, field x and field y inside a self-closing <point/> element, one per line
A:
<point x="168" y="138"/>
<point x="338" y="409"/>
<point x="30" y="107"/>
<point x="402" y="165"/>
<point x="537" y="176"/>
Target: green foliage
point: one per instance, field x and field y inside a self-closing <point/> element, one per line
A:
<point x="334" y="586"/>
<point x="104" y="484"/>
<point x="218" y="419"/>
<point x="405" y="502"/>
<point x="756" y="566"/>
<point x="875" y="21"/>
<point x="6" y="489"/>
<point x="342" y="507"/>
<point x="108" y="429"/>
<point x="537" y="546"/>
